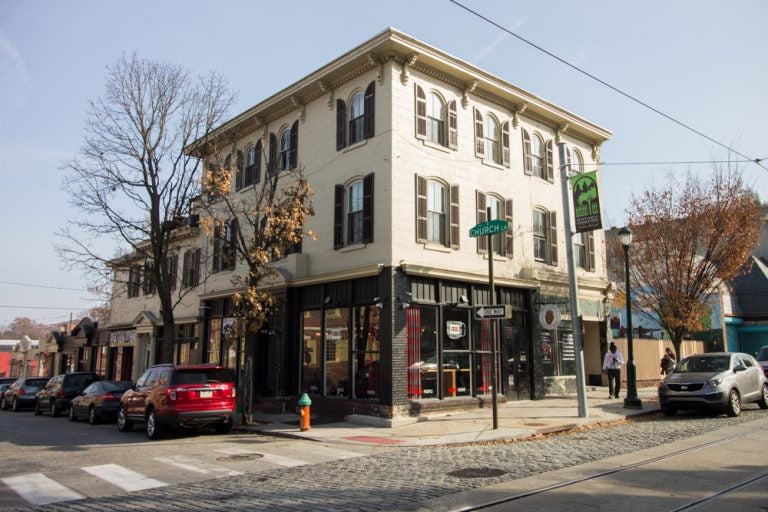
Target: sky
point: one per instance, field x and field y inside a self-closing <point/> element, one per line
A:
<point x="701" y="62"/>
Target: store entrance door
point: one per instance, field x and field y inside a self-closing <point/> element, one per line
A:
<point x="517" y="357"/>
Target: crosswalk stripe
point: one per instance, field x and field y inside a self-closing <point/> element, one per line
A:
<point x="38" y="489"/>
<point x="197" y="466"/>
<point x="124" y="478"/>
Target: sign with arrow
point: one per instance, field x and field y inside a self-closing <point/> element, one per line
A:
<point x="493" y="312"/>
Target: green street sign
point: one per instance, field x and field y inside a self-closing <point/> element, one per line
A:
<point x="490" y="227"/>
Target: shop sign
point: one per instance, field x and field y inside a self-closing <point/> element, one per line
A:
<point x="586" y="202"/>
<point x="454" y="329"/>
<point x="549" y="317"/>
<point x="122" y="338"/>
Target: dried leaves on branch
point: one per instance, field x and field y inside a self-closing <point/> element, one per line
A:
<point x="690" y="237"/>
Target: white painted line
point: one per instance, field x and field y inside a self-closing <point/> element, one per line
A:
<point x="266" y="457"/>
<point x="197" y="466"/>
<point x="339" y="454"/>
<point x="38" y="489"/>
<point x="124" y="478"/>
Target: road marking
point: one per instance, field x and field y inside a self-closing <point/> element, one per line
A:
<point x="197" y="466"/>
<point x="339" y="454"/>
<point x="38" y="489"/>
<point x="124" y="478"/>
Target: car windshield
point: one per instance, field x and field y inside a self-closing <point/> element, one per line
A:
<point x="116" y="385"/>
<point x="703" y="364"/>
<point x="202" y="376"/>
<point x="763" y="354"/>
<point x="36" y="383"/>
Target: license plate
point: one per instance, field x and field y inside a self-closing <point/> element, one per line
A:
<point x="206" y="394"/>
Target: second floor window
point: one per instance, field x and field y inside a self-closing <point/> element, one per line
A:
<point x="149" y="285"/>
<point x="224" y="246"/>
<point x="134" y="281"/>
<point x="501" y="209"/>
<point x="545" y="236"/>
<point x="437" y="213"/>
<point x="191" y="268"/>
<point x="584" y="250"/>
<point x="353" y="213"/>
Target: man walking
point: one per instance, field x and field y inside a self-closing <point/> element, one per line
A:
<point x="612" y="366"/>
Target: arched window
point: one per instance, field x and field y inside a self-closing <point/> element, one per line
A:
<point x="285" y="150"/>
<point x="538" y="157"/>
<point x="436" y="119"/>
<point x="353" y="213"/>
<point x="492" y="139"/>
<point x="356" y="117"/>
<point x="577" y="162"/>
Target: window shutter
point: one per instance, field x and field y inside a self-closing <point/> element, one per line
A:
<point x="341" y="124"/>
<point x="455" y="235"/>
<point x="338" y="217"/>
<point x="216" y="249"/>
<point x="527" y="160"/>
<point x="453" y="126"/>
<point x="196" y="267"/>
<point x="173" y="270"/>
<point x="591" y="251"/>
<point x="272" y="165"/>
<point x="509" y="235"/>
<point x="482" y="216"/>
<point x="505" y="144"/>
<point x="368" y="107"/>
<point x="421" y="209"/>
<point x="239" y="174"/>
<point x="553" y="238"/>
<point x="256" y="178"/>
<point x="479" y="143"/>
<point x="550" y="162"/>
<point x="421" y="112"/>
<point x="368" y="209"/>
<point x="185" y="270"/>
<point x="234" y="229"/>
<point x="293" y="154"/>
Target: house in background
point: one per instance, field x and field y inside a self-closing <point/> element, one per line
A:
<point x="405" y="147"/>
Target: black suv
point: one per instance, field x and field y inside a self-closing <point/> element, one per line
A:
<point x="61" y="389"/>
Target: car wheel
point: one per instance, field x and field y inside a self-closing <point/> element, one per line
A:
<point x="763" y="402"/>
<point x="71" y="415"/>
<point x="54" y="410"/>
<point x="223" y="428"/>
<point x="154" y="429"/>
<point x="123" y="423"/>
<point x="92" y="418"/>
<point x="16" y="406"/>
<point x="38" y="411"/>
<point x="669" y="411"/>
<point x="734" y="403"/>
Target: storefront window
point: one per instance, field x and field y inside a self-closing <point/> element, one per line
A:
<point x="337" y="352"/>
<point x="422" y="352"/>
<point x="229" y="342"/>
<point x="214" y="341"/>
<point x="483" y="373"/>
<point x="365" y="326"/>
<point x="312" y="369"/>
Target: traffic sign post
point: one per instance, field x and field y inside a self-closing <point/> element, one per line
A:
<point x="493" y="313"/>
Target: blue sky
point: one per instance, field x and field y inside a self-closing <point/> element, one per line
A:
<point x="700" y="61"/>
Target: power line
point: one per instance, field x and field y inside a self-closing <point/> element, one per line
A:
<point x="690" y="162"/>
<point x="45" y="286"/>
<point x="756" y="161"/>
<point x="36" y="307"/>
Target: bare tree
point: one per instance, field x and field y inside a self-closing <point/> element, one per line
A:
<point x="265" y="222"/>
<point x="690" y="237"/>
<point x="25" y="326"/>
<point x="132" y="180"/>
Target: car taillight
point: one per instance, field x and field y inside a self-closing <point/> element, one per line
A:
<point x="109" y="396"/>
<point x="60" y="394"/>
<point x="22" y="391"/>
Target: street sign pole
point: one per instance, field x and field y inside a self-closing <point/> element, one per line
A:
<point x="578" y="344"/>
<point x="494" y="353"/>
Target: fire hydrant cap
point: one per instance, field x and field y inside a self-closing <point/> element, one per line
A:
<point x="304" y="400"/>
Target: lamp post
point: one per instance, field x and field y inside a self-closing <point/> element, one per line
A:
<point x="632" y="401"/>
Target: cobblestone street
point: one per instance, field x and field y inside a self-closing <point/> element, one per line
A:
<point x="401" y="479"/>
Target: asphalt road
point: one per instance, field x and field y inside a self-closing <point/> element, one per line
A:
<point x="277" y="474"/>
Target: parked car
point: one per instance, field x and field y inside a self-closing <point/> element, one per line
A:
<point x="98" y="401"/>
<point x="719" y="381"/>
<point x="179" y="396"/>
<point x="762" y="358"/>
<point x="5" y="383"/>
<point x="61" y="389"/>
<point x="22" y="393"/>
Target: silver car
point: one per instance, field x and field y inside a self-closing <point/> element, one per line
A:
<point x="719" y="381"/>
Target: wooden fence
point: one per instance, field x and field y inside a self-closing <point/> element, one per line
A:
<point x="648" y="353"/>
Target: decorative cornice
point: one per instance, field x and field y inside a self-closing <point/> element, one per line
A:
<point x="516" y="112"/>
<point x="559" y="134"/>
<point x="408" y="62"/>
<point x="469" y="88"/>
<point x="596" y="152"/>
<point x="325" y="89"/>
<point x="375" y="62"/>
<point x="297" y="103"/>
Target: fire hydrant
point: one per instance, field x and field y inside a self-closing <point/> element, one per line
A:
<point x="304" y="403"/>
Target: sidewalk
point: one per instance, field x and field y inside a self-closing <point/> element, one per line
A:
<point x="516" y="420"/>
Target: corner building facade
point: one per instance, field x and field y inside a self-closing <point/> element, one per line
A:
<point x="406" y="149"/>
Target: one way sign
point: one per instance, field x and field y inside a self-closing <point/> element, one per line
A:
<point x="493" y="312"/>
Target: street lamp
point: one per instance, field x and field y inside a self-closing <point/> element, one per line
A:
<point x="632" y="401"/>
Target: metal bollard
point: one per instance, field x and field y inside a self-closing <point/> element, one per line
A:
<point x="304" y="403"/>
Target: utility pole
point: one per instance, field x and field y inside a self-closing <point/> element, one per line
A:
<point x="578" y="345"/>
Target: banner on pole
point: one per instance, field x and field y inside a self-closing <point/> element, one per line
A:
<point x="586" y="202"/>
